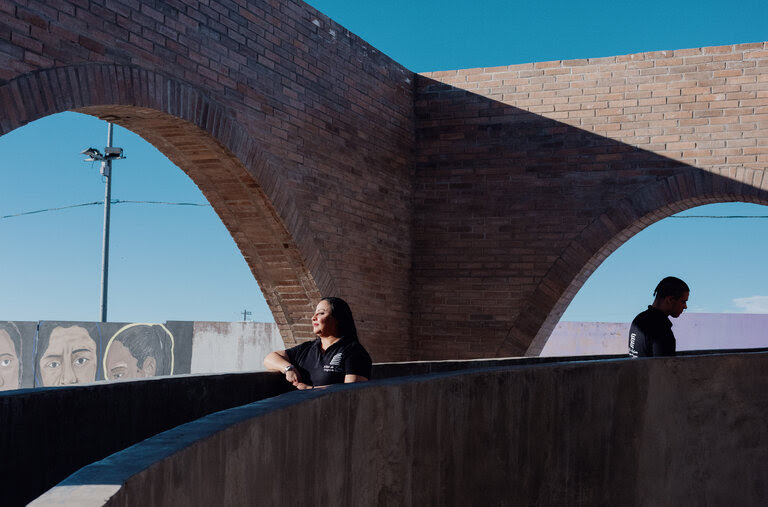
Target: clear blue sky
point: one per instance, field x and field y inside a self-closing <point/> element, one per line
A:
<point x="172" y="262"/>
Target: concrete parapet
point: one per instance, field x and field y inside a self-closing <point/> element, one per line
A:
<point x="66" y="428"/>
<point x="663" y="431"/>
<point x="49" y="433"/>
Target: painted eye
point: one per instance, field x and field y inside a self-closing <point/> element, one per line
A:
<point x="5" y="362"/>
<point x="80" y="361"/>
<point x="117" y="376"/>
<point x="53" y="364"/>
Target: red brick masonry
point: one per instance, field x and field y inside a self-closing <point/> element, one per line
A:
<point x="458" y="212"/>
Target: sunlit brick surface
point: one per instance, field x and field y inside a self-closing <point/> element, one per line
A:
<point x="528" y="176"/>
<point x="458" y="212"/>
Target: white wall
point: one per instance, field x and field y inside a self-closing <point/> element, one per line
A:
<point x="693" y="331"/>
<point x="220" y="347"/>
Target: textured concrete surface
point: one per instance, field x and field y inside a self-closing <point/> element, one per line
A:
<point x="666" y="431"/>
<point x="232" y="346"/>
<point x="68" y="428"/>
<point x="49" y="433"/>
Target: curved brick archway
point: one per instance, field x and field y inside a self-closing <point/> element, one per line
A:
<point x="612" y="229"/>
<point x="297" y="131"/>
<point x="529" y="175"/>
<point x="457" y="211"/>
<point x="204" y="140"/>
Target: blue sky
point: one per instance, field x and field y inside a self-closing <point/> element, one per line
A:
<point x="167" y="262"/>
<point x="171" y="262"/>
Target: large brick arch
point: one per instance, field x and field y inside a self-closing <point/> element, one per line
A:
<point x="206" y="141"/>
<point x="298" y="132"/>
<point x="528" y="176"/>
<point x="612" y="229"/>
<point x="457" y="211"/>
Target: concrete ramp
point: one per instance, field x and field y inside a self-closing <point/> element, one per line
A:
<point x="667" y="431"/>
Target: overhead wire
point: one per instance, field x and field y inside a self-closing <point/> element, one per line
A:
<point x="718" y="216"/>
<point x="95" y="203"/>
<point x="167" y="203"/>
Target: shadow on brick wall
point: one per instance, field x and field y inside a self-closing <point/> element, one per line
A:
<point x="514" y="211"/>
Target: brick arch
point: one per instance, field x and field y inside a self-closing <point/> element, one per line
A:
<point x="614" y="227"/>
<point x="303" y="111"/>
<point x="444" y="206"/>
<point x="207" y="142"/>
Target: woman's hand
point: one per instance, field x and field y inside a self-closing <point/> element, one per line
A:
<point x="293" y="377"/>
<point x="278" y="361"/>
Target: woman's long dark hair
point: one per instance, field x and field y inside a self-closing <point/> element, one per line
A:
<point x="343" y="315"/>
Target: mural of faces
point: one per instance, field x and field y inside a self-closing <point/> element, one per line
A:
<point x="60" y="353"/>
<point x="10" y="351"/>
<point x="139" y="351"/>
<point x="68" y="357"/>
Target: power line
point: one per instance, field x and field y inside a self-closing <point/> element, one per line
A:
<point x="719" y="216"/>
<point x="119" y="201"/>
<point x="49" y="209"/>
<point x="167" y="203"/>
<point x="98" y="203"/>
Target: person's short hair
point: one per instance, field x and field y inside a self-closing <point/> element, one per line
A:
<point x="13" y="331"/>
<point x="145" y="340"/>
<point x="343" y="314"/>
<point x="671" y="286"/>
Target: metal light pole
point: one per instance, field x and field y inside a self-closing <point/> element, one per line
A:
<point x="110" y="153"/>
<point x="106" y="171"/>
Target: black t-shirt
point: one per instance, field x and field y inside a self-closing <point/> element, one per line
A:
<point x="651" y="335"/>
<point x="318" y="368"/>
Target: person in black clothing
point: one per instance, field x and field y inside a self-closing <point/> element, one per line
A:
<point x="335" y="357"/>
<point x="651" y="332"/>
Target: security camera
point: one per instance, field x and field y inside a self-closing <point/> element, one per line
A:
<point x="93" y="154"/>
<point x="113" y="153"/>
<point x="90" y="152"/>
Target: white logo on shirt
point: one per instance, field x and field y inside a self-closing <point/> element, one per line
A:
<point x="335" y="364"/>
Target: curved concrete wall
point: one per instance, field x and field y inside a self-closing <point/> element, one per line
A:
<point x="669" y="431"/>
<point x="48" y="433"/>
<point x="66" y="428"/>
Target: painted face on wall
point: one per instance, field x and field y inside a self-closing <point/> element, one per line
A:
<point x="9" y="363"/>
<point x="323" y="323"/>
<point x="70" y="357"/>
<point x="121" y="365"/>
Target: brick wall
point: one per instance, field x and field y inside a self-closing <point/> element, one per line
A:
<point x="458" y="212"/>
<point x="297" y="131"/>
<point x="528" y="176"/>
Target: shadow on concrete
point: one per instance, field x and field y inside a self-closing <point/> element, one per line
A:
<point x="527" y="430"/>
<point x="94" y="421"/>
<point x="49" y="433"/>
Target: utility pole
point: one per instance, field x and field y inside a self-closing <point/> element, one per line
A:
<point x="106" y="171"/>
<point x="246" y="313"/>
<point x="110" y="153"/>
